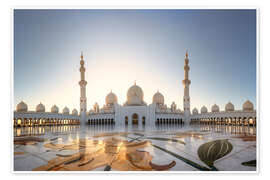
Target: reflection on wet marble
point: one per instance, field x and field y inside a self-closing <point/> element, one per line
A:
<point x="162" y="148"/>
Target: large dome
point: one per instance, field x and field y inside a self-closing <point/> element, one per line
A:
<point x="21" y="107"/>
<point x="54" y="109"/>
<point x="248" y="106"/>
<point x="111" y="98"/>
<point x="40" y="108"/>
<point x="215" y="108"/>
<point x="75" y="112"/>
<point x="204" y="109"/>
<point x="195" y="111"/>
<point x="135" y="96"/>
<point x="65" y="110"/>
<point x="229" y="107"/>
<point x="158" y="98"/>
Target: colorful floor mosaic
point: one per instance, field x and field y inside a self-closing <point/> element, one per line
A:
<point x="163" y="148"/>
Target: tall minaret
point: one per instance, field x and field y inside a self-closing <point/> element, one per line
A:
<point x="186" y="83"/>
<point x="82" y="84"/>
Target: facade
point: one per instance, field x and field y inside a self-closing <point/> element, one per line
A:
<point x="136" y="112"/>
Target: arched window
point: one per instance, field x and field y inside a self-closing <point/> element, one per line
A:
<point x="135" y="118"/>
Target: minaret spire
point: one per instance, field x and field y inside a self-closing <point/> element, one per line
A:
<point x="186" y="83"/>
<point x="186" y="53"/>
<point x="82" y="84"/>
<point x="81" y="55"/>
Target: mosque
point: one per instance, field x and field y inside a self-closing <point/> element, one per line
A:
<point x="135" y="111"/>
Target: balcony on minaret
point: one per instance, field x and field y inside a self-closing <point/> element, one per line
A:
<point x="82" y="83"/>
<point x="186" y="68"/>
<point x="186" y="81"/>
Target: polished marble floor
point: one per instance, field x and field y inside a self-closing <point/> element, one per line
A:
<point x="161" y="148"/>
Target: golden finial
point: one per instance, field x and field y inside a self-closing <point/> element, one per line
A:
<point x="186" y="53"/>
<point x="135" y="82"/>
<point x="81" y="55"/>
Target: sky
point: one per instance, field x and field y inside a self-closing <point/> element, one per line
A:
<point x="124" y="46"/>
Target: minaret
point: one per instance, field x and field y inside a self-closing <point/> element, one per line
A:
<point x="186" y="83"/>
<point x="82" y="84"/>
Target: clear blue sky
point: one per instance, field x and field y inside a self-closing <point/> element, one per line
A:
<point x="122" y="46"/>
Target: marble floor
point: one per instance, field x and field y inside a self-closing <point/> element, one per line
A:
<point x="161" y="148"/>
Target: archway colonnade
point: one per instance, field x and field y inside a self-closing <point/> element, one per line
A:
<point x="169" y="121"/>
<point x="101" y="121"/>
<point x="28" y="122"/>
<point x="237" y="121"/>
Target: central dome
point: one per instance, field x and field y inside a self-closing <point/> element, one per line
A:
<point x="135" y="96"/>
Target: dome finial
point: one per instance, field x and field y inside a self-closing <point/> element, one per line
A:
<point x="81" y="55"/>
<point x="135" y="82"/>
<point x="111" y="90"/>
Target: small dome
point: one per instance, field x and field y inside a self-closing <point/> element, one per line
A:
<point x="158" y="98"/>
<point x="65" y="111"/>
<point x="215" y="108"/>
<point x="248" y="106"/>
<point x="204" y="109"/>
<point x="21" y="107"/>
<point x="135" y="96"/>
<point x="54" y="109"/>
<point x="111" y="98"/>
<point x="229" y="107"/>
<point x="40" y="108"/>
<point x="75" y="112"/>
<point x="195" y="111"/>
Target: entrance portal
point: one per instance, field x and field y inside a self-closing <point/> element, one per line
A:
<point x="135" y="119"/>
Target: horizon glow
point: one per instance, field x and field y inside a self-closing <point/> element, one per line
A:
<point x="121" y="46"/>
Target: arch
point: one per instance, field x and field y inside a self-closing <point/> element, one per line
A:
<point x="19" y="122"/>
<point x="250" y="121"/>
<point x="126" y="120"/>
<point x="135" y="119"/>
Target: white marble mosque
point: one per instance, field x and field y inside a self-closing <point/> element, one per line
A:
<point x="135" y="112"/>
<point x="135" y="136"/>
